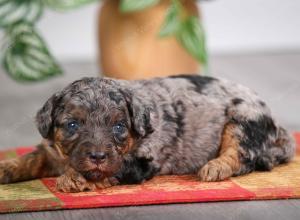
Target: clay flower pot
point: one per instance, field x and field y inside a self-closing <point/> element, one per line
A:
<point x="129" y="45"/>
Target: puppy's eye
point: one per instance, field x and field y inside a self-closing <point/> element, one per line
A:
<point x="119" y="128"/>
<point x="120" y="132"/>
<point x="72" y="126"/>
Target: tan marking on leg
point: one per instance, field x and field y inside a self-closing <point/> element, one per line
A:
<point x="227" y="163"/>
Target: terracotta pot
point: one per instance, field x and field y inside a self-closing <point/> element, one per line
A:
<point x="130" y="47"/>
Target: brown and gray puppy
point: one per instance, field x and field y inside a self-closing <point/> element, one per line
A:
<point x="100" y="132"/>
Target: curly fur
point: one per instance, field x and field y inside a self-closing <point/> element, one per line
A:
<point x="182" y="124"/>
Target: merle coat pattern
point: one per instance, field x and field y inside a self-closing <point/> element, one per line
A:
<point x="100" y="132"/>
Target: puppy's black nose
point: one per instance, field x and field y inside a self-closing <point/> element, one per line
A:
<point x="98" y="156"/>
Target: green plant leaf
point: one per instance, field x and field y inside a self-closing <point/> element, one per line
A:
<point x="192" y="37"/>
<point x="26" y="57"/>
<point x="172" y="21"/>
<point x="66" y="4"/>
<point x="14" y="11"/>
<point x="135" y="5"/>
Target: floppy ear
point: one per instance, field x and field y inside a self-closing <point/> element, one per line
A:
<point x="139" y="112"/>
<point x="44" y="117"/>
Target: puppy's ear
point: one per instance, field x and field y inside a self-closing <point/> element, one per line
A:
<point x="139" y="112"/>
<point x="44" y="117"/>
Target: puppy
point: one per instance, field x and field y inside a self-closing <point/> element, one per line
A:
<point x="100" y="132"/>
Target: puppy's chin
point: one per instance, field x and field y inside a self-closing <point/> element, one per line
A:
<point x="94" y="175"/>
<point x="97" y="172"/>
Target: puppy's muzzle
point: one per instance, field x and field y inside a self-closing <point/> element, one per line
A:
<point x="95" y="153"/>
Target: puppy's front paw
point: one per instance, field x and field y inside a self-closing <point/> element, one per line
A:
<point x="107" y="182"/>
<point x="215" y="171"/>
<point x="73" y="182"/>
<point x="8" y="171"/>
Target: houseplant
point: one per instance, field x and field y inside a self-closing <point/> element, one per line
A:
<point x="25" y="54"/>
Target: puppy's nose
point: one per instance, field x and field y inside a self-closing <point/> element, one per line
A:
<point x="98" y="156"/>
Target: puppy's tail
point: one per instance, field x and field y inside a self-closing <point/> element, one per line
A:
<point x="284" y="147"/>
<point x="281" y="150"/>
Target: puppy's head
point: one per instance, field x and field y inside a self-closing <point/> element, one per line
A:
<point x="95" y="123"/>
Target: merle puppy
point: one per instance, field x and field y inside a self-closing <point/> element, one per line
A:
<point x="100" y="132"/>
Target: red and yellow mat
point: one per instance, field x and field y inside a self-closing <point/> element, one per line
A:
<point x="282" y="183"/>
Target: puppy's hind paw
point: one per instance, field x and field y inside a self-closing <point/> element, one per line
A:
<point x="8" y="171"/>
<point x="215" y="171"/>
